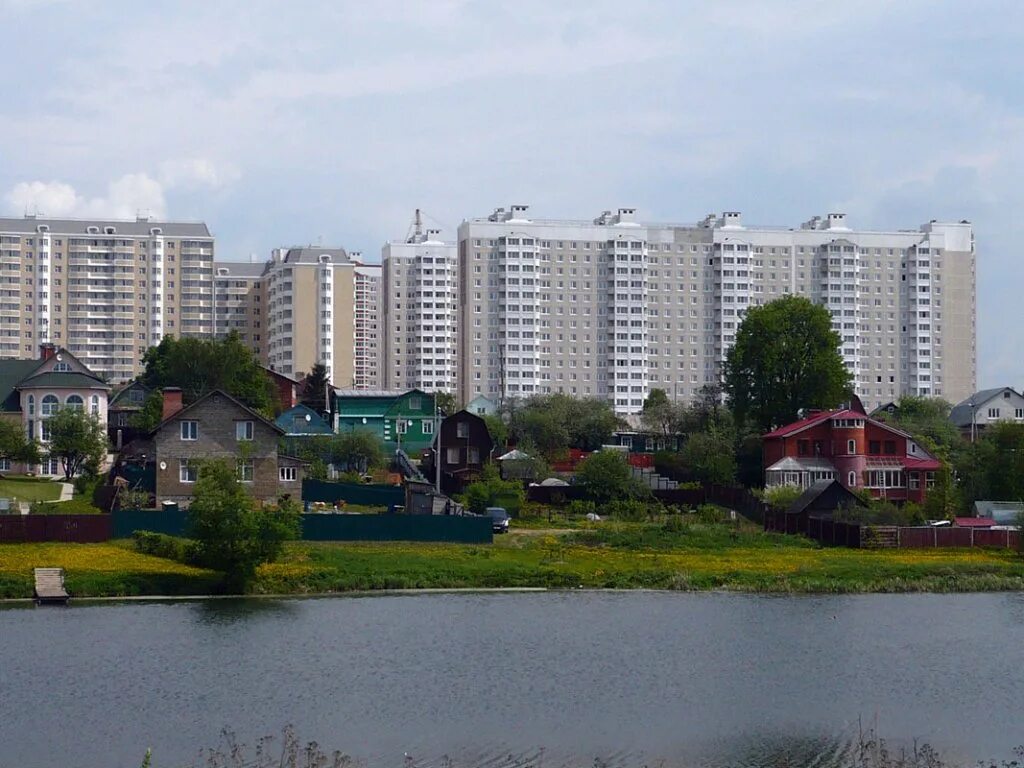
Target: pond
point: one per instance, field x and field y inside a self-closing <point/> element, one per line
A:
<point x="576" y="678"/>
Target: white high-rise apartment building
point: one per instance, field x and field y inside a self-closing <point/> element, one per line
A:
<point x="613" y="308"/>
<point x="106" y="290"/>
<point x="367" y="352"/>
<point x="420" y="332"/>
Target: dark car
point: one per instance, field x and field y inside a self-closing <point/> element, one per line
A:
<point x="499" y="519"/>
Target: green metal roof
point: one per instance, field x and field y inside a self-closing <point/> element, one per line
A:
<point x="64" y="379"/>
<point x="12" y="372"/>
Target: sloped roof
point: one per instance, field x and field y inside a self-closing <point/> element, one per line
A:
<point x="1002" y="512"/>
<point x="70" y="379"/>
<point x="962" y="412"/>
<point x="12" y="373"/>
<point x="312" y="422"/>
<point x="178" y="414"/>
<point x="514" y="455"/>
<point x="794" y="464"/>
<point x="811" y="494"/>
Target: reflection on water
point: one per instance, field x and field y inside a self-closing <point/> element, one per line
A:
<point x="581" y="679"/>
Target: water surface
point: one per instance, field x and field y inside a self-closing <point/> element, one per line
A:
<point x="501" y="679"/>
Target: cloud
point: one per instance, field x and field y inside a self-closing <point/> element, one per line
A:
<point x="126" y="197"/>
<point x="195" y="172"/>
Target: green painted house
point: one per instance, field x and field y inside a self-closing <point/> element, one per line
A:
<point x="400" y="418"/>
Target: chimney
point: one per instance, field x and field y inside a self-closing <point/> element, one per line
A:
<point x="47" y="350"/>
<point x="172" y="402"/>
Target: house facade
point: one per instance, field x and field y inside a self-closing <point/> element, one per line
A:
<point x="465" y="448"/>
<point x="216" y="426"/>
<point x="31" y="391"/>
<point x="125" y="404"/>
<point x="989" y="406"/>
<point x="863" y="454"/>
<point x="400" y="419"/>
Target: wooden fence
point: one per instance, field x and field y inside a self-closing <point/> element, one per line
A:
<point x="81" y="529"/>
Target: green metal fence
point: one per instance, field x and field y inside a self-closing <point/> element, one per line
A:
<point x="367" y="495"/>
<point x="329" y="527"/>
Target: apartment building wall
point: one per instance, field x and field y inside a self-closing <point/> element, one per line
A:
<point x="611" y="308"/>
<point x="367" y="327"/>
<point x="239" y="303"/>
<point x="104" y="289"/>
<point x="420" y="333"/>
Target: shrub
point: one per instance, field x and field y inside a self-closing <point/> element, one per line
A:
<point x="168" y="547"/>
<point x="631" y="510"/>
<point x="710" y="514"/>
<point x="674" y="524"/>
<point x="781" y="497"/>
<point x="581" y="508"/>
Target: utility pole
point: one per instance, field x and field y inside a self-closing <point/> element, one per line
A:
<point x="437" y="437"/>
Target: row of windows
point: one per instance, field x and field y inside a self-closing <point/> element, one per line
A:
<point x="244" y="430"/>
<point x="188" y="471"/>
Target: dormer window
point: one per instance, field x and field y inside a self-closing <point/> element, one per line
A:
<point x="62" y="368"/>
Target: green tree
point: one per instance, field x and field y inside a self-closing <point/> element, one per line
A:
<point x="79" y="440"/>
<point x="498" y="430"/>
<point x="151" y="413"/>
<point x="554" y="423"/>
<point x="993" y="466"/>
<point x="446" y="402"/>
<point x="15" y="446"/>
<point x="710" y="458"/>
<point x="233" y="532"/>
<point x="660" y="415"/>
<point x="359" y="450"/>
<point x="785" y="358"/>
<point x="927" y="419"/>
<point x="199" y="366"/>
<point x="606" y="475"/>
<point x="491" y="491"/>
<point x="314" y="389"/>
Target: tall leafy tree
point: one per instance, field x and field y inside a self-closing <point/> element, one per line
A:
<point x="314" y="389"/>
<point x="607" y="476"/>
<point x="446" y="402"/>
<point x="232" y="531"/>
<point x="78" y="439"/>
<point x="201" y="365"/>
<point x="660" y="415"/>
<point x="785" y="358"/>
<point x="15" y="446"/>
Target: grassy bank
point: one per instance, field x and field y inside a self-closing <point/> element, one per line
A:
<point x="29" y="489"/>
<point x="608" y="555"/>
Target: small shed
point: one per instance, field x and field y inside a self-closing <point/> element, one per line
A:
<point x="516" y="465"/>
<point x="1003" y="512"/>
<point x="821" y="499"/>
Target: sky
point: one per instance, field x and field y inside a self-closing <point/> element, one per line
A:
<point x="330" y="122"/>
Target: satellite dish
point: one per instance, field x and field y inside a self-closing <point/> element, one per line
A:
<point x="163" y="465"/>
<point x="60" y="357"/>
<point x="308" y="417"/>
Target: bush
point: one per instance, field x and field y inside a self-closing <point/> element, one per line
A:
<point x="581" y="508"/>
<point x="168" y="547"/>
<point x="710" y="514"/>
<point x="630" y="510"/>
<point x="781" y="497"/>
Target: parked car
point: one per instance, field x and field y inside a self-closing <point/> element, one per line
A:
<point x="499" y="519"/>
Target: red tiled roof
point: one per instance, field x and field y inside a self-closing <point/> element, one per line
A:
<point x="973" y="522"/>
<point x="809" y="421"/>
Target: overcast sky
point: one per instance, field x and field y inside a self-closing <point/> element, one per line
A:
<point x="330" y="122"/>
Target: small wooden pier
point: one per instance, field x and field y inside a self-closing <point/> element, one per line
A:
<point x="50" y="586"/>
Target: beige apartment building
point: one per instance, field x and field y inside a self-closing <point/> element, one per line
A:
<point x="239" y="302"/>
<point x="105" y="290"/>
<point x="420" y="330"/>
<point x="613" y="308"/>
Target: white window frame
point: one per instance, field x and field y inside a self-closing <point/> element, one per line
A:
<point x="78" y="406"/>
<point x="852" y="479"/>
<point x="428" y="427"/>
<point x="401" y="426"/>
<point x="187" y="471"/>
<point x="287" y="474"/>
<point x="54" y="405"/>
<point x="245" y="431"/>
<point x="851" y="447"/>
<point x="241" y="466"/>
<point x="189" y="430"/>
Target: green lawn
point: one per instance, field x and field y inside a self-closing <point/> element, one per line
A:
<point x="29" y="489"/>
<point x="656" y="555"/>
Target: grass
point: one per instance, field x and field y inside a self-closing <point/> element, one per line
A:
<point x="29" y="489"/>
<point x="606" y="555"/>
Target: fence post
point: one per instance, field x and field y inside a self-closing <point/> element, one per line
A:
<point x="972" y="538"/>
<point x="935" y="538"/>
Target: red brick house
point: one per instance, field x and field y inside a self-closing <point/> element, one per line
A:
<point x="849" y="446"/>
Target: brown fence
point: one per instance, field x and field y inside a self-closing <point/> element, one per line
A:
<point x="929" y="536"/>
<point x="80" y="529"/>
<point x="823" y="530"/>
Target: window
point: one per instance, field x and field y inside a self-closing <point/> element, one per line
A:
<point x="51" y="466"/>
<point x="31" y="405"/>
<point x="473" y="455"/>
<point x="244" y="430"/>
<point x="414" y="402"/>
<point x="245" y="470"/>
<point x="874" y="447"/>
<point x="1018" y="413"/>
<point x="402" y="426"/>
<point x="890" y="447"/>
<point x="94" y="405"/>
<point x="286" y="474"/>
<point x="851" y="479"/>
<point x="5" y="465"/>
<point x="186" y="471"/>
<point x="993" y="413"/>
<point x="801" y="447"/>
<point x="929" y="481"/>
<point x="428" y="427"/>
<point x="452" y="456"/>
<point x="851" y="447"/>
<point x="462" y="429"/>
<point x="190" y="430"/>
<point x="62" y="368"/>
<point x="915" y="481"/>
<point x="75" y="402"/>
<point x="45" y="436"/>
<point x="49" y="405"/>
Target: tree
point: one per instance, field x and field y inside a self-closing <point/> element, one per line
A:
<point x="554" y="423"/>
<point x="498" y="430"/>
<point x="927" y="419"/>
<point x="660" y="415"/>
<point x="78" y="439"/>
<point x="151" y="414"/>
<point x="199" y="366"/>
<point x="710" y="458"/>
<point x="314" y="389"/>
<point x="785" y="358"/>
<point x="993" y="467"/>
<point x="491" y="491"/>
<point x="359" y="451"/>
<point x="606" y="475"/>
<point x="446" y="402"/>
<point x="15" y="446"/>
<point x="232" y="531"/>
